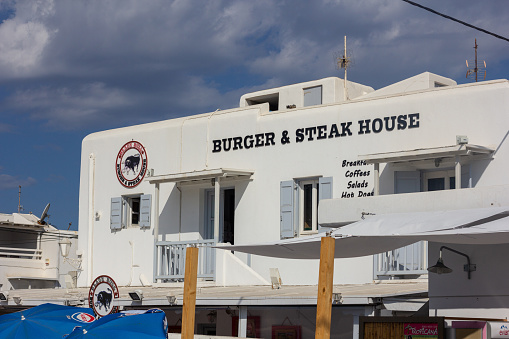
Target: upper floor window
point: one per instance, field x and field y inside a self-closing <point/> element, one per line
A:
<point x="130" y="211"/>
<point x="308" y="205"/>
<point x="299" y="199"/>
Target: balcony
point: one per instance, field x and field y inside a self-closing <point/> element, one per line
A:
<point x="170" y="260"/>
<point x="340" y="212"/>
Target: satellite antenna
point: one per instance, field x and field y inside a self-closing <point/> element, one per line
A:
<point x="44" y="215"/>
<point x="476" y="68"/>
<point x="343" y="62"/>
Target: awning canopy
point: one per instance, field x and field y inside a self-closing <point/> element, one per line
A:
<point x="426" y="153"/>
<point x="203" y="175"/>
<point x="381" y="233"/>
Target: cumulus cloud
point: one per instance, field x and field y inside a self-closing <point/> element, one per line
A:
<point x="101" y="64"/>
<point x="9" y="182"/>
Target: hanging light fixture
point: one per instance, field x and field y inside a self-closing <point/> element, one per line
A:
<point x="440" y="268"/>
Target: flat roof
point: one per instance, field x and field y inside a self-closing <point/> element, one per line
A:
<point x="208" y="295"/>
<point x="200" y="175"/>
<point x="426" y="153"/>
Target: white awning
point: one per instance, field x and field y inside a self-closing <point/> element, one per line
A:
<point x="200" y="175"/>
<point x="426" y="153"/>
<point x="380" y="233"/>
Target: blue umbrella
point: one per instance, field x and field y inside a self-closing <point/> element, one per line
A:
<point x="149" y="325"/>
<point x="44" y="321"/>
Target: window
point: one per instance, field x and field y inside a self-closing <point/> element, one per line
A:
<point x="439" y="180"/>
<point x="425" y="181"/>
<point x="299" y="201"/>
<point x="130" y="211"/>
<point x="312" y="96"/>
<point x="308" y="206"/>
<point x="271" y="99"/>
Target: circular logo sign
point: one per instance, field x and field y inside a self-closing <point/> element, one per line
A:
<point x="101" y="295"/>
<point x="83" y="317"/>
<point x="131" y="164"/>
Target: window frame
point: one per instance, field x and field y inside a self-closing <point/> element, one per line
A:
<point x="121" y="212"/>
<point x="314" y="205"/>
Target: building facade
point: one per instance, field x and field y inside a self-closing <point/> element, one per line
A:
<point x="288" y="163"/>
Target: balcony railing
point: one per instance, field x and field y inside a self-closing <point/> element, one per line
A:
<point x="20" y="253"/>
<point x="170" y="260"/>
<point x="409" y="260"/>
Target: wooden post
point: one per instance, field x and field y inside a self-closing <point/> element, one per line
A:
<point x="325" y="283"/>
<point x="190" y="280"/>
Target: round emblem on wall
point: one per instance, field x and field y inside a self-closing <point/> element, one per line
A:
<point x="101" y="295"/>
<point x="131" y="164"/>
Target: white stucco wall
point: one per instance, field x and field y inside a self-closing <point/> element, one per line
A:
<point x="184" y="145"/>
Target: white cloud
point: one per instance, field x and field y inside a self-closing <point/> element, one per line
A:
<point x="9" y="182"/>
<point x="70" y="64"/>
<point x="24" y="38"/>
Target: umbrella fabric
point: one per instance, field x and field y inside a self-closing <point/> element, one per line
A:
<point x="385" y="232"/>
<point x="149" y="325"/>
<point x="44" y="321"/>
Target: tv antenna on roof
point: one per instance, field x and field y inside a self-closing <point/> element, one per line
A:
<point x="20" y="207"/>
<point x="476" y="68"/>
<point x="343" y="62"/>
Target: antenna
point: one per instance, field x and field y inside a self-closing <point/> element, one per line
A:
<point x="475" y="68"/>
<point x="20" y="207"/>
<point x="343" y="62"/>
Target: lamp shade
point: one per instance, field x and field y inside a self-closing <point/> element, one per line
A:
<point x="439" y="267"/>
<point x="65" y="246"/>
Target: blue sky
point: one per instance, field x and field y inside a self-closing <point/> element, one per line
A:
<point x="70" y="68"/>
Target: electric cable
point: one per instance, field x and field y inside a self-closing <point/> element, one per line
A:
<point x="456" y="20"/>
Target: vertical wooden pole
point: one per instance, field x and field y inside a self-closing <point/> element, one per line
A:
<point x="325" y="282"/>
<point x="190" y="280"/>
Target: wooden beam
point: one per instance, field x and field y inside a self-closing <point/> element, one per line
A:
<point x="190" y="281"/>
<point x="325" y="283"/>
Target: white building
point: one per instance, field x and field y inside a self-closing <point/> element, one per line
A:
<point x="291" y="162"/>
<point x="30" y="255"/>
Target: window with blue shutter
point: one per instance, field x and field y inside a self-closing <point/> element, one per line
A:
<point x="324" y="190"/>
<point x="407" y="181"/>
<point x="286" y="209"/>
<point x="145" y="210"/>
<point x="116" y="213"/>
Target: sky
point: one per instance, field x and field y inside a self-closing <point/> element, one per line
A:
<point x="71" y="68"/>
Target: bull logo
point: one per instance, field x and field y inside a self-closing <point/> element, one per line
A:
<point x="104" y="299"/>
<point x="131" y="164"/>
<point x="101" y="296"/>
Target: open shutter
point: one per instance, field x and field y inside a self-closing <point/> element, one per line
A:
<point x="324" y="190"/>
<point x="286" y="204"/>
<point x="116" y="213"/>
<point x="145" y="209"/>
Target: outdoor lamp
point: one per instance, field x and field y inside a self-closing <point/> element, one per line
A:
<point x="17" y="299"/>
<point x="171" y="299"/>
<point x="4" y="295"/>
<point x="440" y="268"/>
<point x="136" y="295"/>
<point x="65" y="246"/>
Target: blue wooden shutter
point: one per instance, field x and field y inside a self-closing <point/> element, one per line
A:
<point x="286" y="204"/>
<point x="324" y="190"/>
<point x="407" y="181"/>
<point x="145" y="209"/>
<point x="116" y="213"/>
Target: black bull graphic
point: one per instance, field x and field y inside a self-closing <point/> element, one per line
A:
<point x="132" y="163"/>
<point x="104" y="299"/>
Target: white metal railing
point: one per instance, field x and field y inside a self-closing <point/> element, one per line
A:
<point x="20" y="253"/>
<point x="170" y="259"/>
<point x="408" y="260"/>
